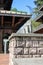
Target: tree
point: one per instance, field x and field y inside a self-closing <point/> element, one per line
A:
<point x="38" y="2"/>
<point x="36" y="12"/>
<point x="35" y="24"/>
<point x="14" y="9"/>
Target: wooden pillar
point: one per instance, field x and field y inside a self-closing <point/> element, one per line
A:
<point x="1" y="46"/>
<point x="1" y="35"/>
<point x="2" y="21"/>
<point x="13" y="20"/>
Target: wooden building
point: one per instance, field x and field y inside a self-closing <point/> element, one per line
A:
<point x="39" y="18"/>
<point x="9" y="22"/>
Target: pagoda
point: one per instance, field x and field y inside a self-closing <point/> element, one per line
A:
<point x="10" y="22"/>
<point x="39" y="18"/>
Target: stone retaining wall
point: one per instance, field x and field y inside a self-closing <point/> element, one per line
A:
<point x="25" y="47"/>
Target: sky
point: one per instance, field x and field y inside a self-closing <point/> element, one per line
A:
<point x="21" y="5"/>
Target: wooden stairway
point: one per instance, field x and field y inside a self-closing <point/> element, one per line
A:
<point x="4" y="59"/>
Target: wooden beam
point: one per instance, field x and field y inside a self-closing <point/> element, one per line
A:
<point x="1" y="1"/>
<point x="13" y="20"/>
<point x="19" y="22"/>
<point x="2" y="20"/>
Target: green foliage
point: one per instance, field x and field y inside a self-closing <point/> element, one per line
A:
<point x="35" y="11"/>
<point x="39" y="2"/>
<point x="35" y="24"/>
<point x="15" y="10"/>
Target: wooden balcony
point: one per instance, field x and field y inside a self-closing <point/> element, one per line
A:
<point x="13" y="19"/>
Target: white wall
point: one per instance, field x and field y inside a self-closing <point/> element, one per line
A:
<point x="24" y="28"/>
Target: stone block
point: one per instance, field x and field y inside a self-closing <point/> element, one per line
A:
<point x="40" y="43"/>
<point x="35" y="44"/>
<point x="32" y="51"/>
<point x="13" y="44"/>
<point x="13" y="39"/>
<point x="24" y="56"/>
<point x="20" y="56"/>
<point x="18" y="51"/>
<point x="42" y="56"/>
<point x="26" y="51"/>
<point x="39" y="50"/>
<point x="26" y="38"/>
<point x="28" y="56"/>
<point x="18" y="38"/>
<point x="15" y="56"/>
<point x="33" y="38"/>
<point x="21" y="44"/>
<point x="11" y="50"/>
<point x="36" y="56"/>
<point x="28" y="43"/>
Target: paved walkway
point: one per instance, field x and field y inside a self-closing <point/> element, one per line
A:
<point x="4" y="59"/>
